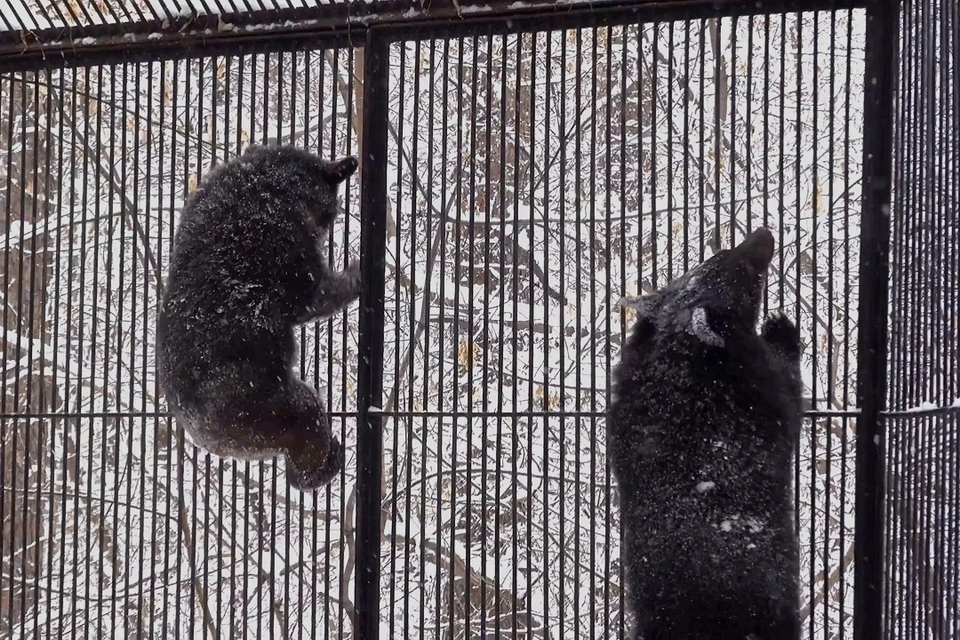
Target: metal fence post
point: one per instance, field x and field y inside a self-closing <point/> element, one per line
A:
<point x="880" y="60"/>
<point x="373" y="175"/>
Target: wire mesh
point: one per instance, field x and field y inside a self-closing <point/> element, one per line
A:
<point x="537" y="179"/>
<point x="922" y="520"/>
<point x="533" y="179"/>
<point x="112" y="524"/>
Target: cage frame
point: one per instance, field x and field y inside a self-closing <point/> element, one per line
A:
<point x="374" y="27"/>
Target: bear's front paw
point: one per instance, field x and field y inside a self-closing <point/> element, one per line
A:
<point x="781" y="333"/>
<point x="335" y="458"/>
<point x="352" y="272"/>
<point x="351" y="276"/>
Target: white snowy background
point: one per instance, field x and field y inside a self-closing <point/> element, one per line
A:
<point x="533" y="181"/>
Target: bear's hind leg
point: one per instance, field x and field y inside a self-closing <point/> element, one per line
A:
<point x="305" y="473"/>
<point x="314" y="455"/>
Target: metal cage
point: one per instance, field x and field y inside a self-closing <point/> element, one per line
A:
<point x="523" y="166"/>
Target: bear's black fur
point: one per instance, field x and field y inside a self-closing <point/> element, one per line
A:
<point x="702" y="432"/>
<point x="247" y="267"/>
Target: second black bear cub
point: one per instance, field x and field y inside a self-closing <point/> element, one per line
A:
<point x="702" y="431"/>
<point x="248" y="266"/>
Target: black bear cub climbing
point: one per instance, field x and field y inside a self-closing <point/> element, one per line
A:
<point x="248" y="266"/>
<point x="702" y="431"/>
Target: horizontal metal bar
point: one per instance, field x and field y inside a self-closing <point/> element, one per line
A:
<point x="343" y="25"/>
<point x="572" y="16"/>
<point x="850" y="413"/>
<point x="921" y="413"/>
<point x="132" y="48"/>
<point x="464" y="413"/>
<point x="120" y="415"/>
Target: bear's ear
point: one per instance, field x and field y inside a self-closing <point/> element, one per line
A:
<point x="337" y="171"/>
<point x="644" y="327"/>
<point x="643" y="305"/>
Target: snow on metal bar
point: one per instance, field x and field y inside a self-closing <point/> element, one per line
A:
<point x="39" y="15"/>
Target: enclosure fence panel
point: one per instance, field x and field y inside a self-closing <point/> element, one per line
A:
<point x="518" y="177"/>
<point x="113" y="525"/>
<point x="536" y="179"/>
<point x="922" y="520"/>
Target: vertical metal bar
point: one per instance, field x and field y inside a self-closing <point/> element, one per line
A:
<point x="608" y="325"/>
<point x="446" y="205"/>
<point x="469" y="342"/>
<point x="487" y="124"/>
<point x="373" y="237"/>
<point x="58" y="430"/>
<point x="232" y="628"/>
<point x="627" y="243"/>
<point x="952" y="44"/>
<point x="815" y="352"/>
<point x="117" y="235"/>
<point x="5" y="435"/>
<point x="531" y="300"/>
<point x="278" y="117"/>
<point x="260" y="118"/>
<point x="457" y="204"/>
<point x="594" y="71"/>
<point x="702" y="48"/>
<point x="831" y="323"/>
<point x="881" y="44"/>
<point x="517" y="522"/>
<point x="845" y="447"/>
<point x="563" y="348"/>
<point x="151" y="296"/>
<point x="334" y="72"/>
<point x="655" y="89"/>
<point x="434" y="243"/>
<point x="393" y="398"/>
<point x="548" y="374"/>
<point x="94" y="568"/>
<point x="498" y="541"/>
<point x="415" y="226"/>
<point x="309" y="68"/>
<point x="178" y="450"/>
<point x="32" y="331"/>
<point x="578" y="350"/>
